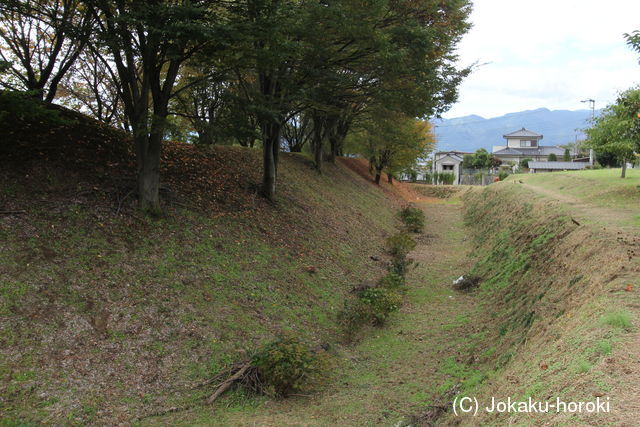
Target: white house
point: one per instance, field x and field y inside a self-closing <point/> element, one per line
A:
<point x="449" y="161"/>
<point x="525" y="144"/>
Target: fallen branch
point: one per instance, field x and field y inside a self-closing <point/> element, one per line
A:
<point x="12" y="212"/>
<point x="229" y="382"/>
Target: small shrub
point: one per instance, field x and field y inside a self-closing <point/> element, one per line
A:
<point x="413" y="219"/>
<point x="399" y="266"/>
<point x="372" y="307"/>
<point x="355" y="315"/>
<point x="618" y="319"/>
<point x="25" y="106"/>
<point x="400" y="245"/>
<point x="525" y="162"/>
<point x="446" y="178"/>
<point x="382" y="301"/>
<point x="287" y="365"/>
<point x="392" y="281"/>
<point x="503" y="175"/>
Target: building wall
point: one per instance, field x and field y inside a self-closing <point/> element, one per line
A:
<point x="517" y="159"/>
<point x="456" y="168"/>
<point x="515" y="142"/>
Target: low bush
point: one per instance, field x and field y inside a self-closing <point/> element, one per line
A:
<point x="413" y="219"/>
<point x="400" y="245"/>
<point x="288" y="365"/>
<point x="382" y="301"/>
<point x="446" y="178"/>
<point x="503" y="175"/>
<point x="399" y="266"/>
<point x="25" y="106"/>
<point x="355" y="315"/>
<point x="392" y="281"/>
<point x="371" y="307"/>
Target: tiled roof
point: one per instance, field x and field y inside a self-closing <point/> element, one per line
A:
<point x="453" y="152"/>
<point x="558" y="165"/>
<point x="450" y="155"/>
<point x="523" y="133"/>
<point x="533" y="151"/>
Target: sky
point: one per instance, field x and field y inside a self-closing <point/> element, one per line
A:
<point x="546" y="53"/>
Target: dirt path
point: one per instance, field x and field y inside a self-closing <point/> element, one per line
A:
<point x="395" y="372"/>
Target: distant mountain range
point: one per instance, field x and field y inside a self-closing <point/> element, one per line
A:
<point x="472" y="132"/>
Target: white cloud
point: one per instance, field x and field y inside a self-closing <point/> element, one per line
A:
<point x="547" y="53"/>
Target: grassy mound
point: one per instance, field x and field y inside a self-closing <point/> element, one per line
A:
<point x="109" y="316"/>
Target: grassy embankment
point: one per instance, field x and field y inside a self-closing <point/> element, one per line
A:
<point x="395" y="373"/>
<point x="107" y="316"/>
<point x="560" y="298"/>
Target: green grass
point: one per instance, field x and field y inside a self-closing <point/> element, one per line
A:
<point x="620" y="319"/>
<point x="394" y="371"/>
<point x="602" y="188"/>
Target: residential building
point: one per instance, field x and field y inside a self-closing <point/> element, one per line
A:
<point x="525" y="144"/>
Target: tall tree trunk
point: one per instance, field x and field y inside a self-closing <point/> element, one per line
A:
<point x="624" y="168"/>
<point x="270" y="151"/>
<point x="319" y="123"/>
<point x="378" y="175"/>
<point x="333" y="142"/>
<point x="148" y="149"/>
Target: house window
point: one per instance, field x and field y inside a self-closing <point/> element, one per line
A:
<point x="528" y="143"/>
<point x="447" y="167"/>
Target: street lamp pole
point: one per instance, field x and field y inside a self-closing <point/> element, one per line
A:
<point x="592" y="105"/>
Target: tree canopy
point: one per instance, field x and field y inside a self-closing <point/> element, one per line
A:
<point x="269" y="73"/>
<point x="617" y="130"/>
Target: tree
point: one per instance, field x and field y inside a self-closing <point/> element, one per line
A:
<point x="617" y="130"/>
<point x="89" y="88"/>
<point x="468" y="161"/>
<point x="333" y="59"/>
<point x="297" y="132"/>
<point x="481" y="159"/>
<point x="392" y="142"/>
<point x="41" y="40"/>
<point x="633" y="40"/>
<point x="148" y="41"/>
<point x="202" y="97"/>
<point x="525" y="162"/>
<point x="567" y="155"/>
<point x="552" y="157"/>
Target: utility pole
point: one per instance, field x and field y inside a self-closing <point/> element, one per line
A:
<point x="592" y="105"/>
